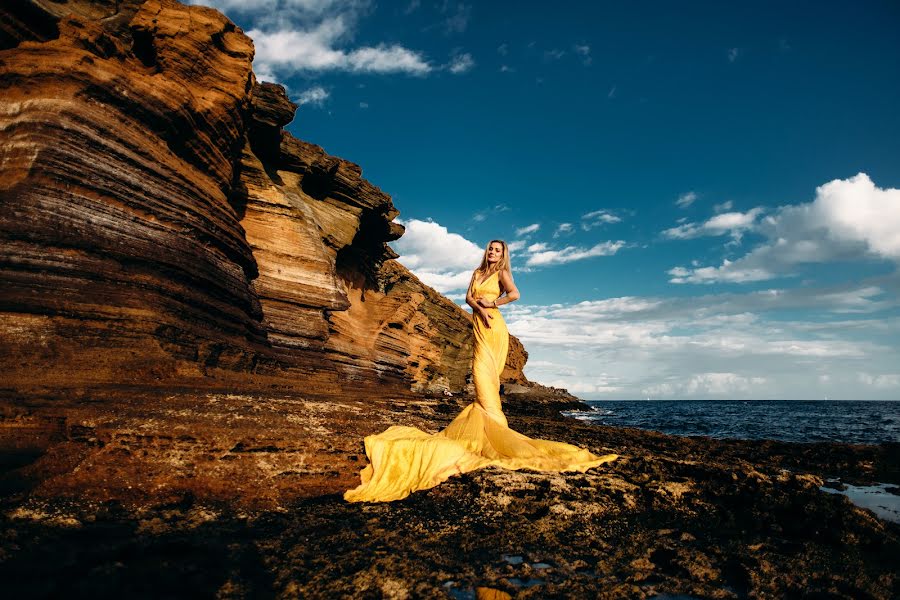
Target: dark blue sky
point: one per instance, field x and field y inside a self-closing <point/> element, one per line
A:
<point x="589" y="122"/>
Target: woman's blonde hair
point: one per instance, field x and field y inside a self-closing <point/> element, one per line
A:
<point x="484" y="269"/>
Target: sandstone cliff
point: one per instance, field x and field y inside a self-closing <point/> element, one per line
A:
<point x="160" y="227"/>
<point x="190" y="296"/>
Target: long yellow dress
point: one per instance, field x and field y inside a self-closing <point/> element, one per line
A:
<point x="404" y="459"/>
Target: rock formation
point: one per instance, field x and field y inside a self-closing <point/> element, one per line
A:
<point x="160" y="227"/>
<point x="191" y="295"/>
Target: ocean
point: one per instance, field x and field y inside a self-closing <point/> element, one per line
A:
<point x="851" y="421"/>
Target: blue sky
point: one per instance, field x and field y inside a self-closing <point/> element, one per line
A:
<point x="703" y="198"/>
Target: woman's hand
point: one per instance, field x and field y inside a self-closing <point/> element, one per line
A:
<point x="486" y="304"/>
<point x="485" y="317"/>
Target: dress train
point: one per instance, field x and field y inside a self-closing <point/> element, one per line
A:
<point x="405" y="459"/>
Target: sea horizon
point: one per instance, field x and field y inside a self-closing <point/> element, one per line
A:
<point x="837" y="421"/>
<point x="738" y="400"/>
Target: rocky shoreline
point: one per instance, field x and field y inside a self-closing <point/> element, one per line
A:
<point x="673" y="517"/>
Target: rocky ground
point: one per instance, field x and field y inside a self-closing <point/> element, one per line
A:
<point x="672" y="518"/>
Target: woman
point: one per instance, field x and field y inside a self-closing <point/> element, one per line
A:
<point x="405" y="459"/>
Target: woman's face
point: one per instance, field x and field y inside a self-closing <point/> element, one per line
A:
<point x="495" y="252"/>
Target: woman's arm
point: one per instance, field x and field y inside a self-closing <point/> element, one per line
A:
<point x="512" y="292"/>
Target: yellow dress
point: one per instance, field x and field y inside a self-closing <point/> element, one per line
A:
<point x="404" y="459"/>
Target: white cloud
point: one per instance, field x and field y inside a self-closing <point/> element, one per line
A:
<point x="584" y="51"/>
<point x="855" y="210"/>
<point x="529" y="229"/>
<point x="385" y="59"/>
<point x="316" y="96"/>
<point x="716" y="385"/>
<point x="734" y="223"/>
<point x="711" y="346"/>
<point x="313" y="36"/>
<point x="849" y="219"/>
<point x="885" y="381"/>
<point x="562" y="228"/>
<point x="288" y="51"/>
<point x="545" y="257"/>
<point x="441" y="259"/>
<point x="598" y="217"/>
<point x="724" y="206"/>
<point x="718" y="274"/>
<point x="686" y="199"/>
<point x="461" y="63"/>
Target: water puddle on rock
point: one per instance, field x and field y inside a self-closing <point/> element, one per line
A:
<point x="521" y="582"/>
<point x="458" y="593"/>
<point x="877" y="498"/>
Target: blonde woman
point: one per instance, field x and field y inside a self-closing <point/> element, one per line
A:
<point x="405" y="459"/>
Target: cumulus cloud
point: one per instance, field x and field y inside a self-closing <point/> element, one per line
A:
<point x="315" y="96"/>
<point x="562" y="228"/>
<point x="529" y="229"/>
<point x="596" y="218"/>
<point x="288" y="51"/>
<point x="884" y="381"/>
<point x="723" y="207"/>
<point x="441" y="259"/>
<point x="706" y="385"/>
<point x="584" y="51"/>
<point x="723" y="273"/>
<point x="726" y="345"/>
<point x="314" y="36"/>
<point x="543" y="256"/>
<point x="734" y="223"/>
<point x="461" y="63"/>
<point x="686" y="199"/>
<point x="849" y="219"/>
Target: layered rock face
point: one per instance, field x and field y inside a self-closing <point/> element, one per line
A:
<point x="160" y="227"/>
<point x="189" y="295"/>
